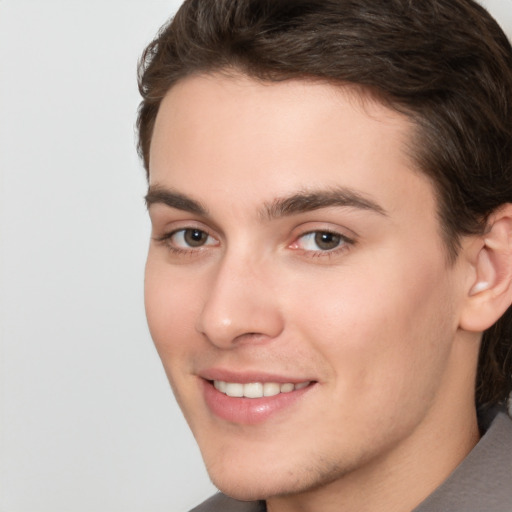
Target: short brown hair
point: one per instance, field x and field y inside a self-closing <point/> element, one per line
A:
<point x="446" y="64"/>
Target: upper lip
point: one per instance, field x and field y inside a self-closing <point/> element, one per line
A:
<point x="247" y="377"/>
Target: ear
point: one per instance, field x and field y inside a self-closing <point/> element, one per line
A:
<point x="489" y="293"/>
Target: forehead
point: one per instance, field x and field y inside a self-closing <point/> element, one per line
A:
<point x="270" y="114"/>
<point x="215" y="134"/>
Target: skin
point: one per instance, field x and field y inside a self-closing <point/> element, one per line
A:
<point x="373" y="321"/>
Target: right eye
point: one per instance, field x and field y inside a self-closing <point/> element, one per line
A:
<point x="189" y="238"/>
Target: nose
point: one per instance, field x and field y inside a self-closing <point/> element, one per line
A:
<point x="241" y="304"/>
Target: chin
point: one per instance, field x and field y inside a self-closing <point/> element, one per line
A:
<point x="253" y="489"/>
<point x="250" y="483"/>
<point x="243" y="493"/>
<point x="261" y="482"/>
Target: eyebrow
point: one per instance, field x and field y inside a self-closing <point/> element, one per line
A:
<point x="158" y="194"/>
<point x="300" y="202"/>
<point x="306" y="201"/>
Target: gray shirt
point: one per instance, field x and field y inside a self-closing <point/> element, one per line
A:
<point x="481" y="483"/>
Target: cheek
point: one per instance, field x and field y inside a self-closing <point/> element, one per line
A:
<point x="379" y="328"/>
<point x="170" y="309"/>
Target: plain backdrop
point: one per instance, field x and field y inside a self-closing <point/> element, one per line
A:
<point x="87" y="419"/>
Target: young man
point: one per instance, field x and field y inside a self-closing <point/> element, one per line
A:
<point x="330" y="270"/>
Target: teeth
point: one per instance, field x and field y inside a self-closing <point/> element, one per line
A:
<point x="220" y="385"/>
<point x="234" y="389"/>
<point x="253" y="390"/>
<point x="271" y="389"/>
<point x="256" y="389"/>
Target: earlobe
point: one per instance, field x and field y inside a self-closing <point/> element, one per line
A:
<point x="490" y="294"/>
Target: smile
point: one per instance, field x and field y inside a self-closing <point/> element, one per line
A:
<point x="256" y="389"/>
<point x="251" y="402"/>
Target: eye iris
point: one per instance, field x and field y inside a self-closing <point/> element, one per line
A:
<point x="326" y="241"/>
<point x="195" y="237"/>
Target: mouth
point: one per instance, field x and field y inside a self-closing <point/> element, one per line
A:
<point x="253" y="401"/>
<point x="257" y="389"/>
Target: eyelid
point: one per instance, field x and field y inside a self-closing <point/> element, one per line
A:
<point x="170" y="231"/>
<point x="163" y="216"/>
<point x="346" y="241"/>
<point x="343" y="238"/>
<point x="174" y="233"/>
<point x="169" y="234"/>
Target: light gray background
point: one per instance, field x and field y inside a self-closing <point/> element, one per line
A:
<point x="87" y="421"/>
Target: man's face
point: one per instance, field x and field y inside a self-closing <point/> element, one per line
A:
<point x="295" y="250"/>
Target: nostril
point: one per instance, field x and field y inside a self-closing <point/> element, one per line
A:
<point x="251" y="337"/>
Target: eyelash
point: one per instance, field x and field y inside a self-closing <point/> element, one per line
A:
<point x="343" y="245"/>
<point x="166" y="239"/>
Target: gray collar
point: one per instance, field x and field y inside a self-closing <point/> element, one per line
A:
<point x="483" y="480"/>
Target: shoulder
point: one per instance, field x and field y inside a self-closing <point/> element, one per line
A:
<point x="222" y="503"/>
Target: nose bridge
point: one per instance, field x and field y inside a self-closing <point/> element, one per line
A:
<point x="240" y="304"/>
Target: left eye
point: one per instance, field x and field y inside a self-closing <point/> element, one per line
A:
<point x="191" y="238"/>
<point x="320" y="241"/>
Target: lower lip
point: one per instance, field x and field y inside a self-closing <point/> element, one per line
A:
<point x="249" y="411"/>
